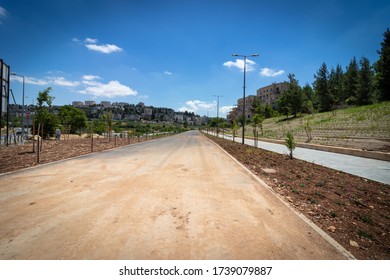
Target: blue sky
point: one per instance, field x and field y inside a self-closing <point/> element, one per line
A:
<point x="177" y="54"/>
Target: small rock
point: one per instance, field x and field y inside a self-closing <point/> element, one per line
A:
<point x="353" y="244"/>
<point x="332" y="228"/>
<point x="289" y="198"/>
<point x="269" y="170"/>
<point x="372" y="207"/>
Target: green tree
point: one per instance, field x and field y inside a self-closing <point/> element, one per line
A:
<point x="98" y="126"/>
<point x="44" y="97"/>
<point x="294" y="95"/>
<point x="257" y="120"/>
<point x="336" y="86"/>
<point x="269" y="112"/>
<point x="322" y="89"/>
<point x="283" y="104"/>
<point x="47" y="122"/>
<point x="382" y="67"/>
<point x="73" y="117"/>
<point x="309" y="99"/>
<point x="351" y="82"/>
<point x="366" y="77"/>
<point x="235" y="128"/>
<point x="107" y="119"/>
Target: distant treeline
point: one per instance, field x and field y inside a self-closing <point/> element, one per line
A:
<point x="361" y="83"/>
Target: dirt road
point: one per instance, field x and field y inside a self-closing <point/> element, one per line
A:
<point x="179" y="197"/>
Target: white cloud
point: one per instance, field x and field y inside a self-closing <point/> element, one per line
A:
<point x="29" y="80"/>
<point x="239" y="63"/>
<point x="90" y="80"/>
<point x="92" y="45"/>
<point x="107" y="48"/>
<point x="90" y="83"/>
<point x="225" y="109"/>
<point x="267" y="72"/>
<point x="3" y="14"/>
<point x="167" y="73"/>
<point x="110" y="90"/>
<point x="61" y="81"/>
<point x="91" y="77"/>
<point x="90" y="41"/>
<point x="195" y="105"/>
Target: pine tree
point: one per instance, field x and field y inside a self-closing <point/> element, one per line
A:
<point x="336" y="86"/>
<point x="309" y="99"/>
<point x="365" y="89"/>
<point x="321" y="88"/>
<point x="295" y="95"/>
<point x="282" y="104"/>
<point x="351" y="82"/>
<point x="383" y="68"/>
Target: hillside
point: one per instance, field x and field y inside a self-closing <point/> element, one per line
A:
<point x="364" y="127"/>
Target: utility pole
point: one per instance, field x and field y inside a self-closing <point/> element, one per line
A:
<point x="243" y="99"/>
<point x="218" y="96"/>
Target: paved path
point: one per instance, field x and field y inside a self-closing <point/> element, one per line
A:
<point x="180" y="197"/>
<point x="377" y="170"/>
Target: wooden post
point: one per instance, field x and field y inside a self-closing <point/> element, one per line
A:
<point x="33" y="125"/>
<point x="91" y="143"/>
<point x="38" y="148"/>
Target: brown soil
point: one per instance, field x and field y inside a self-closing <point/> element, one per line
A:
<point x="349" y="208"/>
<point x="15" y="157"/>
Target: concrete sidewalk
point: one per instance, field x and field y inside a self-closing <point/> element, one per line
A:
<point x="377" y="170"/>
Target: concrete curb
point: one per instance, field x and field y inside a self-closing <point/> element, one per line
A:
<point x="334" y="149"/>
<point x="316" y="228"/>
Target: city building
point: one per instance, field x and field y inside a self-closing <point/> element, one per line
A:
<point x="233" y="114"/>
<point x="266" y="95"/>
<point x="77" y="104"/>
<point x="269" y="94"/>
<point x="105" y="104"/>
<point x="249" y="100"/>
<point x="90" y="103"/>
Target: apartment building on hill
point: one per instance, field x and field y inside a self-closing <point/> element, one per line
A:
<point x="269" y="94"/>
<point x="266" y="95"/>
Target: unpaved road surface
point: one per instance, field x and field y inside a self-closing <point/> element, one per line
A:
<point x="179" y="197"/>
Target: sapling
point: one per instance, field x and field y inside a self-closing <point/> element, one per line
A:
<point x="290" y="143"/>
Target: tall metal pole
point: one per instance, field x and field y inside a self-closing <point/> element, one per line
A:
<point x="243" y="108"/>
<point x="23" y="112"/>
<point x="218" y="96"/>
<point x="243" y="100"/>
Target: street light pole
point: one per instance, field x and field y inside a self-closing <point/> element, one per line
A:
<point x="218" y="96"/>
<point x="23" y="113"/>
<point x="243" y="100"/>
